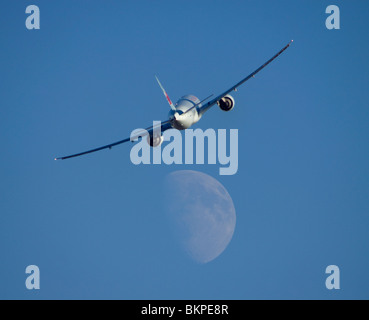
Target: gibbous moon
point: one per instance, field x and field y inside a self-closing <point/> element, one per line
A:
<point x="202" y="213"/>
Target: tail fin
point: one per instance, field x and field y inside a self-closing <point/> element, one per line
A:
<point x="165" y="94"/>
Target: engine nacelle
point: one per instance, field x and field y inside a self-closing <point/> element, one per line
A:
<point x="155" y="141"/>
<point x="226" y="103"/>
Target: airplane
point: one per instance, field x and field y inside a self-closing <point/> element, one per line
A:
<point x="187" y="111"/>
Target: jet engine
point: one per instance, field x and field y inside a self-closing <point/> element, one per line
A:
<point x="155" y="140"/>
<point x="226" y="103"/>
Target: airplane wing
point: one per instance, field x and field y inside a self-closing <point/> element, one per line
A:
<point x="164" y="126"/>
<point x="206" y="106"/>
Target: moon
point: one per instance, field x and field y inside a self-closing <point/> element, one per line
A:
<point x="202" y="213"/>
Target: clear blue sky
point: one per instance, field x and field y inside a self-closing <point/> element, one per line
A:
<point x="95" y="225"/>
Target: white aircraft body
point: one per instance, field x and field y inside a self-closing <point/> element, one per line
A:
<point x="187" y="111"/>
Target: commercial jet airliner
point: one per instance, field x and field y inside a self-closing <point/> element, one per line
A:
<point x="187" y="111"/>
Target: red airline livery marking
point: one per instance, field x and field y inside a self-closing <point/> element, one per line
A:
<point x="170" y="102"/>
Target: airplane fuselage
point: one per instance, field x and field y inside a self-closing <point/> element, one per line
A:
<point x="179" y="118"/>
